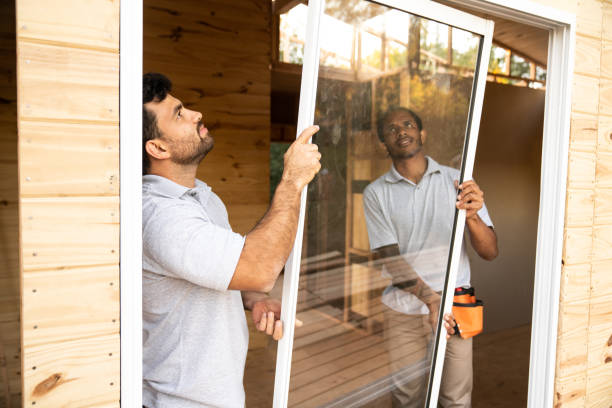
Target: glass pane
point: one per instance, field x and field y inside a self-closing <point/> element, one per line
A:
<point x="497" y="61"/>
<point x="519" y="67"/>
<point x="292" y="32"/>
<point x="380" y="214"/>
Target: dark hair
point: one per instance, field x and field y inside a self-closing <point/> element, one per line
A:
<point x="155" y="87"/>
<point x="385" y="116"/>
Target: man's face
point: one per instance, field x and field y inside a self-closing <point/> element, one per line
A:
<point x="184" y="134"/>
<point x="402" y="137"/>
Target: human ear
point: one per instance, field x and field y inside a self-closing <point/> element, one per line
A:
<point x="423" y="135"/>
<point x="157" y="149"/>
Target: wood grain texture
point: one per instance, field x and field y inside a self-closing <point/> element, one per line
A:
<point x="69" y="232"/>
<point x="87" y="23"/>
<point x="585" y="94"/>
<point x="588" y="55"/>
<point x="605" y="97"/>
<point x="606" y="58"/>
<point x="604" y="133"/>
<point x="578" y="245"/>
<point x="588" y="18"/>
<point x="579" y="209"/>
<point x="583" y="132"/>
<point x="581" y="169"/>
<point x="67" y="84"/>
<point x="84" y="159"/>
<point x="217" y="55"/>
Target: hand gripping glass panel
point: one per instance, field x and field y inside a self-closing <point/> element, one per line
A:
<point x="394" y="100"/>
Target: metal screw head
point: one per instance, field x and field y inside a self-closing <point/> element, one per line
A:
<point x="28" y="178"/>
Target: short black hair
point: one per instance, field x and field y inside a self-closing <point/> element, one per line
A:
<point x="155" y="88"/>
<point x="383" y="118"/>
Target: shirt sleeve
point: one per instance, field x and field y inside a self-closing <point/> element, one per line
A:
<point x="380" y="233"/>
<point x="483" y="213"/>
<point x="180" y="242"/>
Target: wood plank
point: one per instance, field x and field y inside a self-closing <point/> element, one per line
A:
<point x="601" y="278"/>
<point x="603" y="206"/>
<point x="575" y="282"/>
<point x="71" y="231"/>
<point x="605" y="97"/>
<point x="579" y="208"/>
<point x="573" y="317"/>
<point x="73" y="373"/>
<point x="87" y="23"/>
<point x="602" y="242"/>
<point x="588" y="18"/>
<point x="585" y="94"/>
<point x="607" y="21"/>
<point x="570" y="392"/>
<point x="61" y="305"/>
<point x="572" y="352"/>
<point x="606" y="58"/>
<point x="598" y="393"/>
<point x="577" y="246"/>
<point x="48" y="74"/>
<point x="583" y="132"/>
<point x="581" y="170"/>
<point x="588" y="55"/>
<point x="599" y="345"/>
<point x="604" y="133"/>
<point x="85" y="159"/>
<point x="604" y="170"/>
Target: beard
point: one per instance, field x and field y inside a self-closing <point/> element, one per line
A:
<point x="192" y="152"/>
<point x="399" y="153"/>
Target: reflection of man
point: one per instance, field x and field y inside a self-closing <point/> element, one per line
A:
<point x="197" y="273"/>
<point x="409" y="214"/>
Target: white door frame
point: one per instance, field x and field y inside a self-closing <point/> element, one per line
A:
<point x="130" y="191"/>
<point x="562" y="26"/>
<point x="553" y="179"/>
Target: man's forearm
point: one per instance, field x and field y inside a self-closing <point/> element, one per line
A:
<point x="268" y="245"/>
<point x="483" y="238"/>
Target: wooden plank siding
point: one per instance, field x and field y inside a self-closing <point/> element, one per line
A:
<point x="68" y="120"/>
<point x="10" y="337"/>
<point x="584" y="345"/>
<point x="217" y="55"/>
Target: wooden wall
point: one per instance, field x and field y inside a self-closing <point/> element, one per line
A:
<point x="217" y="54"/>
<point x="584" y="347"/>
<point x="68" y="114"/>
<point x="10" y="358"/>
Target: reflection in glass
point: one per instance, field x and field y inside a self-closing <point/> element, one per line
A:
<point x="376" y="244"/>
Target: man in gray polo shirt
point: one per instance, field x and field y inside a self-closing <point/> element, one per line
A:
<point x="409" y="215"/>
<point x="199" y="275"/>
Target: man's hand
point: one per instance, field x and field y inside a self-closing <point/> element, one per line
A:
<point x="470" y="198"/>
<point x="450" y="324"/>
<point x="302" y="160"/>
<point x="266" y="316"/>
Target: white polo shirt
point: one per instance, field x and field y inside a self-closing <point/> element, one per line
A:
<point x="195" y="336"/>
<point x="419" y="219"/>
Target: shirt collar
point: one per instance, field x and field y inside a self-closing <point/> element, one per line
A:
<point x="393" y="176"/>
<point x="170" y="188"/>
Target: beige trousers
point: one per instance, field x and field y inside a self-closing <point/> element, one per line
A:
<point x="409" y="342"/>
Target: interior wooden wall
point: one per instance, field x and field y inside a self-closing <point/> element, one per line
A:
<point x="68" y="121"/>
<point x="584" y="347"/>
<point x="217" y="54"/>
<point x="10" y="358"/>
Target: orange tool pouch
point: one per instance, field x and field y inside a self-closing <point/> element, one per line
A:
<point x="468" y="312"/>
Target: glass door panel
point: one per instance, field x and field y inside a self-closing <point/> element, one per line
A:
<point x="380" y="223"/>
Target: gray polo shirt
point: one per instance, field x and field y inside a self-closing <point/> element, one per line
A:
<point x="419" y="218"/>
<point x="195" y="336"/>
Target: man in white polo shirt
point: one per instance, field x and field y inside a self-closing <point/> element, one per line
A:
<point x="199" y="275"/>
<point x="409" y="215"/>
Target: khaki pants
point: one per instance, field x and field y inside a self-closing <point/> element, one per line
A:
<point x="409" y="341"/>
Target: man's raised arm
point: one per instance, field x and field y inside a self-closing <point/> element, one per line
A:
<point x="268" y="245"/>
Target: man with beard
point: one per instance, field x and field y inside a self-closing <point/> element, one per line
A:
<point x="198" y="275"/>
<point x="409" y="215"/>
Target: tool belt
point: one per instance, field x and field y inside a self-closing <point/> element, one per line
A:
<point x="467" y="311"/>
